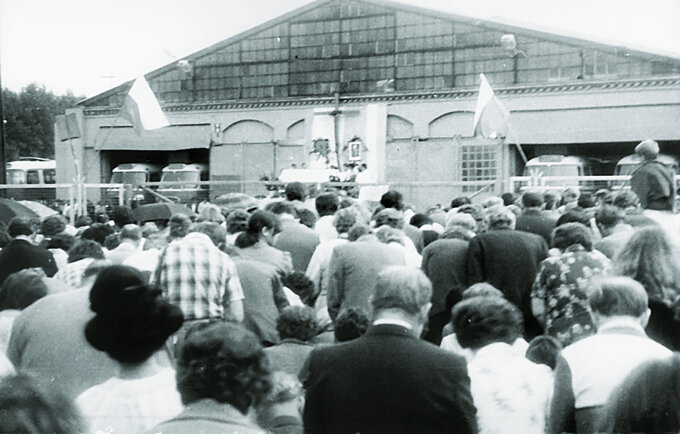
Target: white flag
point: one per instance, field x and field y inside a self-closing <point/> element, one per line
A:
<point x="141" y="108"/>
<point x="491" y="116"/>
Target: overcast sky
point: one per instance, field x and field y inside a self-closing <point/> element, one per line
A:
<point x="88" y="46"/>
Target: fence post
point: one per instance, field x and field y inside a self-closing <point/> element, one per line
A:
<point x="72" y="204"/>
<point x="121" y="194"/>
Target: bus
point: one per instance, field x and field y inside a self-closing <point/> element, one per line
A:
<point x="32" y="171"/>
<point x="182" y="182"/>
<point x="134" y="174"/>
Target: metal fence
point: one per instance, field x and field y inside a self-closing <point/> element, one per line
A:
<point x="519" y="184"/>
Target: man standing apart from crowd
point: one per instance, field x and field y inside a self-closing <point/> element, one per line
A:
<point x="389" y="381"/>
<point x="653" y="181"/>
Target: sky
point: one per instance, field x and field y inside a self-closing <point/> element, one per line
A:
<point x="89" y="46"/>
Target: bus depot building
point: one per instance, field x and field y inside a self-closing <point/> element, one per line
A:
<point x="392" y="86"/>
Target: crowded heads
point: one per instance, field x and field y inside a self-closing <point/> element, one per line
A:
<point x="53" y="225"/>
<point x="131" y="232"/>
<point x="178" y="226"/>
<point x="481" y="321"/>
<point x="344" y="220"/>
<point x="402" y="288"/>
<point x="20" y="226"/>
<point x="532" y="199"/>
<point x="618" y="296"/>
<point x="132" y="321"/>
<point x="224" y="362"/>
<point x="570" y="234"/>
<point x="500" y="218"/>
<point x="297" y="322"/>
<point x="392" y="199"/>
<point x="327" y="204"/>
<point x="295" y="191"/>
<point x="389" y="217"/>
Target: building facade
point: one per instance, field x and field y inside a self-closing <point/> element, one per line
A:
<point x="395" y="87"/>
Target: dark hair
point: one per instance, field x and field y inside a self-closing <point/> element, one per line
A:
<point x="508" y="198"/>
<point x="532" y="199"/>
<point x="569" y="234"/>
<point x="460" y="201"/>
<point x="224" y="362"/>
<point x="544" y="349"/>
<point x="648" y="400"/>
<point x="132" y="321"/>
<point x="53" y="225"/>
<point x="302" y="286"/>
<point x="237" y="221"/>
<point x="357" y="231"/>
<point x="307" y="217"/>
<point x="573" y="216"/>
<point x="420" y="219"/>
<point x="281" y="207"/>
<point x="586" y="200"/>
<point x="481" y="321"/>
<point x="392" y="199"/>
<point x="26" y="407"/>
<point x="297" y="322"/>
<point x="350" y="324"/>
<point x="618" y="296"/>
<point x="389" y="217"/>
<point x="61" y="241"/>
<point x="20" y="226"/>
<point x="179" y="226"/>
<point x="123" y="215"/>
<point x="626" y="199"/>
<point x="85" y="249"/>
<point x="257" y="221"/>
<point x="326" y="204"/>
<point x="609" y="215"/>
<point x="295" y="191"/>
<point x="21" y="289"/>
<point x="82" y="220"/>
<point x="111" y="241"/>
<point x="97" y="232"/>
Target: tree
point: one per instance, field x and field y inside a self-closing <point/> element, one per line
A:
<point x="29" y="120"/>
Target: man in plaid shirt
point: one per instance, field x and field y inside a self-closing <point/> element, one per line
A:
<point x="199" y="278"/>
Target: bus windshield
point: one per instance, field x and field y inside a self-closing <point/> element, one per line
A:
<point x="625" y="169"/>
<point x="552" y="170"/>
<point x="134" y="178"/>
<point x="182" y="176"/>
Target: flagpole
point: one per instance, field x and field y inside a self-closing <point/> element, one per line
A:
<point x="514" y="140"/>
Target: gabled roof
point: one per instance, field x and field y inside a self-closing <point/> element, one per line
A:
<point x="394" y="6"/>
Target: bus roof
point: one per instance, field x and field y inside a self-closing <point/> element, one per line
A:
<point x="31" y="164"/>
<point x="186" y="167"/>
<point x="136" y="167"/>
<point x="556" y="159"/>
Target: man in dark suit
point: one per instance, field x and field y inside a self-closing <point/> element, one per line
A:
<point x="508" y="260"/>
<point x="389" y="381"/>
<point x="532" y="219"/>
<point x="21" y="253"/>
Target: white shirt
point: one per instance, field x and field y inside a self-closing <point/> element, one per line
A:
<point x="325" y="228"/>
<point x="450" y="343"/>
<point x="512" y="394"/>
<point x="146" y="260"/>
<point x="130" y="406"/>
<point x="601" y="362"/>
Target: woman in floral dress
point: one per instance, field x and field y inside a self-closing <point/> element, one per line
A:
<point x="560" y="293"/>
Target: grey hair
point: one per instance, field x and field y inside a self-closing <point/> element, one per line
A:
<point x="404" y="288"/>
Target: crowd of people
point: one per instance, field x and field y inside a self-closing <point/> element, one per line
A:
<point x="541" y="312"/>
